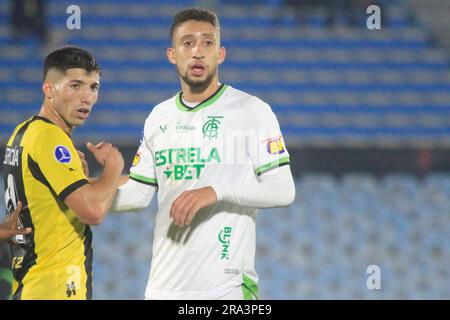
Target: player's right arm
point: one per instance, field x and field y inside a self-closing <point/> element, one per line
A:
<point x="132" y="195"/>
<point x="137" y="190"/>
<point x="92" y="201"/>
<point x="54" y="161"/>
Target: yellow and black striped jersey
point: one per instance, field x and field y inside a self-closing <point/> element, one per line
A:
<point x="41" y="168"/>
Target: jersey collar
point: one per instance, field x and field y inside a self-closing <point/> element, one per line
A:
<point x="41" y="118"/>
<point x="205" y="103"/>
<point x="34" y="118"/>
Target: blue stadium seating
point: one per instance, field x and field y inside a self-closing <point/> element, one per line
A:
<point x="315" y="249"/>
<point x="340" y="85"/>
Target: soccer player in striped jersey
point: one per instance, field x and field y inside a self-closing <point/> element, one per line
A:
<point x="43" y="170"/>
<point x="214" y="154"/>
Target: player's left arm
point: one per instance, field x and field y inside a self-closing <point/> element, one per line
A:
<point x="274" y="187"/>
<point x="186" y="206"/>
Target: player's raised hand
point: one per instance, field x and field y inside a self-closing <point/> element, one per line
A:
<point x="106" y="154"/>
<point x="186" y="206"/>
<point x="9" y="229"/>
<point x="84" y="162"/>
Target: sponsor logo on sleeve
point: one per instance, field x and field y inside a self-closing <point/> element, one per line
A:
<point x="137" y="158"/>
<point x="62" y="154"/>
<point x="275" y="145"/>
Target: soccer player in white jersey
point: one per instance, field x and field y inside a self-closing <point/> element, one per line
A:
<point x="214" y="155"/>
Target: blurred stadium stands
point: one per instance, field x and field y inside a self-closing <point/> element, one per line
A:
<point x="321" y="246"/>
<point x="337" y="86"/>
<point x="328" y="86"/>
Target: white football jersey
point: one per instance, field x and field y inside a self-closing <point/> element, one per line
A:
<point x="228" y="139"/>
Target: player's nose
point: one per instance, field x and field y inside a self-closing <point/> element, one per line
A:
<point x="197" y="51"/>
<point x="88" y="98"/>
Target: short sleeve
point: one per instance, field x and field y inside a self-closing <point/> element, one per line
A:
<point x="55" y="161"/>
<point x="143" y="169"/>
<point x="265" y="143"/>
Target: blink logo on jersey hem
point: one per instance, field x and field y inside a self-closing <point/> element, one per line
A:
<point x="224" y="239"/>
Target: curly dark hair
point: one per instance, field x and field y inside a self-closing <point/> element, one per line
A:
<point x="197" y="14"/>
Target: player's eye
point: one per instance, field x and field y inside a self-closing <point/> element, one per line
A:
<point x="75" y="86"/>
<point x="187" y="43"/>
<point x="94" y="88"/>
<point x="209" y="43"/>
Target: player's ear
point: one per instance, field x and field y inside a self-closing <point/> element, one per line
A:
<point x="171" y="55"/>
<point x="48" y="89"/>
<point x="222" y="54"/>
